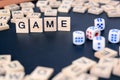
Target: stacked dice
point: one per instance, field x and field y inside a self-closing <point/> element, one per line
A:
<point x="114" y="36"/>
<point x="99" y="41"/>
<point x="78" y="37"/>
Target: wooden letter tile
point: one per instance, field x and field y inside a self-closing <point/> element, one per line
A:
<point x="61" y="76"/>
<point x="50" y="24"/>
<point x="79" y="9"/>
<point x="26" y="11"/>
<point x="64" y="23"/>
<point x="22" y="25"/>
<point x="113" y="3"/>
<point x="64" y="8"/>
<point x="27" y="5"/>
<point x="106" y="52"/>
<point x="108" y="61"/>
<point x="14" y="76"/>
<point x="95" y="10"/>
<point x="91" y="4"/>
<point x="106" y="8"/>
<point x="4" y="19"/>
<point x="51" y="12"/>
<point x="34" y="15"/>
<point x="85" y="76"/>
<point x="44" y="8"/>
<point x="5" y="12"/>
<point x="13" y="20"/>
<point x="104" y="2"/>
<point x="36" y="25"/>
<point x="17" y="13"/>
<point x="73" y="70"/>
<point x="77" y="3"/>
<point x="14" y="66"/>
<point x="116" y="68"/>
<point x="113" y="13"/>
<point x="2" y="70"/>
<point x="55" y="4"/>
<point x="28" y="77"/>
<point x="83" y="61"/>
<point x="12" y="7"/>
<point x="42" y="73"/>
<point x="41" y="3"/>
<point x="94" y="1"/>
<point x="5" y="59"/>
<point x="103" y="71"/>
<point x="4" y="26"/>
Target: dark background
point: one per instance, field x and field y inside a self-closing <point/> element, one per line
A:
<point x="54" y="49"/>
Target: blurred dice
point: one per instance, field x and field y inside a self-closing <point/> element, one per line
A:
<point x="98" y="43"/>
<point x="78" y="37"/>
<point x="91" y="32"/>
<point x="99" y="23"/>
<point x="114" y="36"/>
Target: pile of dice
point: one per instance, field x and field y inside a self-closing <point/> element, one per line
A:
<point x="94" y="33"/>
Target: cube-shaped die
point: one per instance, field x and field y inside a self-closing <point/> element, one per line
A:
<point x="91" y="32"/>
<point x="114" y="36"/>
<point x="98" y="43"/>
<point x="100" y="23"/>
<point x="78" y="37"/>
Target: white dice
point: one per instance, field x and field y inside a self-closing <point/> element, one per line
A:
<point x="114" y="36"/>
<point x="91" y="32"/>
<point x="99" y="23"/>
<point x="98" y="43"/>
<point x="78" y="37"/>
